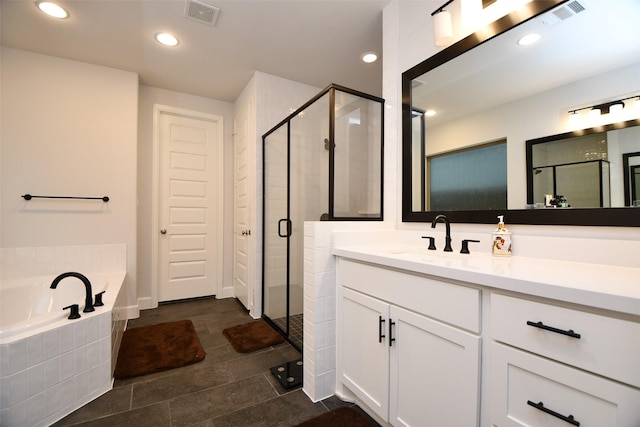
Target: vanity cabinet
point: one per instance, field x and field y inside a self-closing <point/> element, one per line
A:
<point x="404" y="347"/>
<point x="554" y="351"/>
<point x="558" y="366"/>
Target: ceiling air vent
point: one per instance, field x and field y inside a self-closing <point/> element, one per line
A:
<point x="563" y="12"/>
<point x="202" y="12"/>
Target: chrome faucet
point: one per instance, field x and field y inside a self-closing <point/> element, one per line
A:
<point x="447" y="241"/>
<point x="88" y="300"/>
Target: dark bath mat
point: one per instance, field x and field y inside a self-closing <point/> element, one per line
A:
<point x="252" y="336"/>
<point x="346" y="416"/>
<point x="156" y="348"/>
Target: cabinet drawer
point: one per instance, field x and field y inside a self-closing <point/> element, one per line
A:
<point x="454" y="304"/>
<point x="528" y="390"/>
<point x="604" y="345"/>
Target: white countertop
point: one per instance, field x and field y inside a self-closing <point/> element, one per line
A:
<point x="596" y="285"/>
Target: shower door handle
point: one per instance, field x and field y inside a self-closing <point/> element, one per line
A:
<point x="288" y="231"/>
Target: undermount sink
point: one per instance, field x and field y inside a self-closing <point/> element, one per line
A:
<point x="420" y="253"/>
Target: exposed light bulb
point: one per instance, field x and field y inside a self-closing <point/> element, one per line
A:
<point x="595" y="117"/>
<point x="574" y="120"/>
<point x="615" y="110"/>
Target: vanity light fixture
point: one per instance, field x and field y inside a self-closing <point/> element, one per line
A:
<point x="442" y="26"/>
<point x="52" y="9"/>
<point x="167" y="39"/>
<point x="369" y="57"/>
<point x="614" y="111"/>
<point x="606" y="107"/>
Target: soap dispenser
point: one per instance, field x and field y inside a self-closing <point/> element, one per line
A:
<point x="501" y="239"/>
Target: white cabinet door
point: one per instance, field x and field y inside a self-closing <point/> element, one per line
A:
<point x="435" y="373"/>
<point x="364" y="351"/>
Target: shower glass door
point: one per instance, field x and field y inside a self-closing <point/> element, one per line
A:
<point x="322" y="163"/>
<point x="277" y="227"/>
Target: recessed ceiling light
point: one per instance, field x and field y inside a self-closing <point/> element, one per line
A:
<point x="430" y="113"/>
<point x="52" y="9"/>
<point x="369" y="57"/>
<point x="529" y="39"/>
<point x="167" y="39"/>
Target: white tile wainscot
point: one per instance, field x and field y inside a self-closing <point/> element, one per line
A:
<point x="319" y="353"/>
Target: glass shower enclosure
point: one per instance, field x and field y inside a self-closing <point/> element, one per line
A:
<point x="322" y="163"/>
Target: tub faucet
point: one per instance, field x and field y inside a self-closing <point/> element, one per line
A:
<point x="88" y="300"/>
<point x="447" y="241"/>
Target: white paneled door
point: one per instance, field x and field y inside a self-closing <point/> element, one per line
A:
<point x="243" y="235"/>
<point x="189" y="238"/>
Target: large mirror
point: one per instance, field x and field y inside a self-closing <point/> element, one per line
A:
<point x="492" y="95"/>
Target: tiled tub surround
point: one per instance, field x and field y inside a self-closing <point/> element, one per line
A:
<point x="49" y="369"/>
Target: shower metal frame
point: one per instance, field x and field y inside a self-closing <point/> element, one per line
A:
<point x="331" y="89"/>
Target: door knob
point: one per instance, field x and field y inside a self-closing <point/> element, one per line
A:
<point x="163" y="231"/>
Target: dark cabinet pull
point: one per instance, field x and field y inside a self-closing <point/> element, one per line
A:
<point x="380" y="328"/>
<point x="541" y="325"/>
<point x="540" y="406"/>
<point x="391" y="338"/>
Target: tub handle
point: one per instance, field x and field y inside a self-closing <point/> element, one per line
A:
<point x="98" y="300"/>
<point x="75" y="311"/>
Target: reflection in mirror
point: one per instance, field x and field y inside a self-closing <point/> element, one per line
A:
<point x="487" y="88"/>
<point x="631" y="176"/>
<point x="586" y="170"/>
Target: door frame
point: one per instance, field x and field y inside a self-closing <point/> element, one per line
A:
<point x="158" y="110"/>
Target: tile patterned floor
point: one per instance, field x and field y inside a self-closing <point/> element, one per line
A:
<point x="295" y="328"/>
<point x="226" y="389"/>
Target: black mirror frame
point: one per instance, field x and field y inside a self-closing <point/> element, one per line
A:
<point x="625" y="217"/>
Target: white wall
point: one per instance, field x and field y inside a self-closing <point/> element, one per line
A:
<point x="68" y="129"/>
<point x="148" y="97"/>
<point x="407" y="41"/>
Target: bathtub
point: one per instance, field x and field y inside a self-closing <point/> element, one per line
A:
<point x="50" y="365"/>
<point x="30" y="306"/>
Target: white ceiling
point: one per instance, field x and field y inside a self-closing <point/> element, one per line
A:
<point x="316" y="42"/>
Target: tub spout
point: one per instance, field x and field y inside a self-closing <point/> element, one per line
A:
<point x="88" y="300"/>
